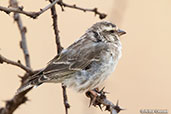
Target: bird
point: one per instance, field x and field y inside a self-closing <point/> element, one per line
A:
<point x="86" y="63"/>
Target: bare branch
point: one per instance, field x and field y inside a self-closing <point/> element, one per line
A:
<point x="95" y="10"/>
<point x="59" y="49"/>
<point x="17" y="100"/>
<point x="14" y="103"/>
<point x="19" y="64"/>
<point x="55" y="28"/>
<point x="33" y="15"/>
<point x="65" y="98"/>
<point x="22" y="29"/>
<point x="17" y="10"/>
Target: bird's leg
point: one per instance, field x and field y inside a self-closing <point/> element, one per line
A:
<point x="93" y="95"/>
<point x="98" y="98"/>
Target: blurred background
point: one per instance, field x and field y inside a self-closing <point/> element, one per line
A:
<point x="142" y="79"/>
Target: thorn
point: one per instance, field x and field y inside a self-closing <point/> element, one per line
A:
<point x="90" y="102"/>
<point x="95" y="10"/>
<point x="117" y="103"/>
<point x="21" y="8"/>
<point x="102" y="16"/>
<point x="20" y="76"/>
<point x="100" y="107"/>
<point x="102" y="90"/>
<point x="21" y="45"/>
<point x="107" y="107"/>
<point x="28" y="100"/>
<point x="19" y="61"/>
<point x="117" y="108"/>
<point x="1" y="61"/>
<point x="62" y="9"/>
<point x="24" y="29"/>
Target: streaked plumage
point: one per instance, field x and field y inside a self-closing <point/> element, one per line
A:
<point x="86" y="63"/>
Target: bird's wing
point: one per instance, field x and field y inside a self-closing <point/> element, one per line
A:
<point x="76" y="57"/>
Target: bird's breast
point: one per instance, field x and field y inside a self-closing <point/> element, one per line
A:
<point x="98" y="71"/>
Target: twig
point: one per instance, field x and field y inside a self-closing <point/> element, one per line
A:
<point x="95" y="10"/>
<point x="55" y="28"/>
<point x="22" y="29"/>
<point x="65" y="98"/>
<point x="59" y="49"/>
<point x="23" y="44"/>
<point x="19" y="64"/>
<point x="33" y="15"/>
<point x="17" y="10"/>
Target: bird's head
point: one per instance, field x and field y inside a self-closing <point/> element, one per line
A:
<point x="107" y="30"/>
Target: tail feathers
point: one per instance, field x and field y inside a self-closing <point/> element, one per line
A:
<point x="24" y="88"/>
<point x="30" y="83"/>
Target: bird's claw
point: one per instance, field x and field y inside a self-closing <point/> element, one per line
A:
<point x="94" y="94"/>
<point x="93" y="97"/>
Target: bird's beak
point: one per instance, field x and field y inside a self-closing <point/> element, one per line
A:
<point x="121" y="32"/>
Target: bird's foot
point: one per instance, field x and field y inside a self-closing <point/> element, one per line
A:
<point x="94" y="95"/>
<point x="98" y="98"/>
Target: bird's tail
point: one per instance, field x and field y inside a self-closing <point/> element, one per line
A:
<point x="24" y="88"/>
<point x="34" y="81"/>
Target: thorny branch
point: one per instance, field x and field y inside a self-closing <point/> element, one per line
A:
<point x="55" y="28"/>
<point x="94" y="10"/>
<point x="14" y="103"/>
<point x="59" y="49"/>
<point x="65" y="98"/>
<point x="22" y="29"/>
<point x="27" y="13"/>
<point x="18" y="63"/>
<point x="34" y="15"/>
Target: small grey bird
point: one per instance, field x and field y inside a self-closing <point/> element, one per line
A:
<point x="86" y="63"/>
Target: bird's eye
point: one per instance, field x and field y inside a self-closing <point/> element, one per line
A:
<point x="111" y="31"/>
